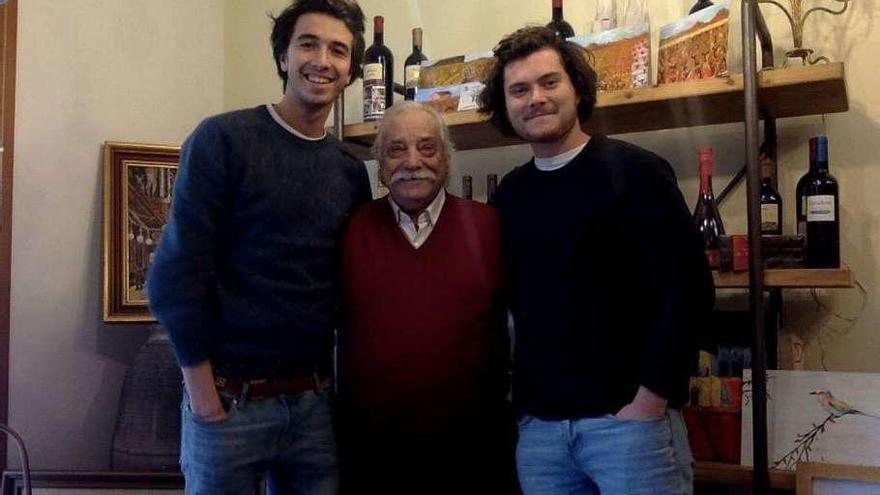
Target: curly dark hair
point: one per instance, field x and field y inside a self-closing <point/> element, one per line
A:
<point x="347" y="11"/>
<point x="522" y="43"/>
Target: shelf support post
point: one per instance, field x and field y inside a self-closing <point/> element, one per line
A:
<point x="766" y="42"/>
<point x="774" y="325"/>
<point x="756" y="261"/>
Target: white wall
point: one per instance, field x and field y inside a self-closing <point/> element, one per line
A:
<point x="88" y="71"/>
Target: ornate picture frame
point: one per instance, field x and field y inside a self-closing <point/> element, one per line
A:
<point x="138" y="180"/>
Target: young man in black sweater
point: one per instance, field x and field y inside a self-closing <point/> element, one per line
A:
<point x="608" y="282"/>
<point x="245" y="277"/>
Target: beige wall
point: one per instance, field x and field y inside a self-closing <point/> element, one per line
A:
<point x="88" y="71"/>
<point x="91" y="70"/>
<point x="834" y="343"/>
<point x="250" y="76"/>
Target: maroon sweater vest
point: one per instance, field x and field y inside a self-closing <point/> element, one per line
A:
<point x="424" y="344"/>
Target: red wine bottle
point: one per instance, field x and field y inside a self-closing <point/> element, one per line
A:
<point x="378" y="74"/>
<point x="771" y="201"/>
<point x="491" y="185"/>
<point x="706" y="216"/>
<point x="413" y="65"/>
<point x="467" y="191"/>
<point x="700" y="5"/>
<point x="801" y="189"/>
<point x="823" y="213"/>
<point x="558" y="24"/>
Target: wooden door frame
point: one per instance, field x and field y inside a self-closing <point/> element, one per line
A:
<point x="8" y="30"/>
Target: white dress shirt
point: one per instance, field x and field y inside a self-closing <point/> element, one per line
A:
<point x="417" y="232"/>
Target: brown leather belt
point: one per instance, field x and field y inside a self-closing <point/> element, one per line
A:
<point x="240" y="391"/>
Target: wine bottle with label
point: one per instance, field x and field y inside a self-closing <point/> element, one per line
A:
<point x="801" y="189"/>
<point x="467" y="191"/>
<point x="378" y="74"/>
<point x="771" y="201"/>
<point x="706" y="216"/>
<point x="823" y="213"/>
<point x="413" y="65"/>
<point x="700" y="5"/>
<point x="491" y="185"/>
<point x="558" y="24"/>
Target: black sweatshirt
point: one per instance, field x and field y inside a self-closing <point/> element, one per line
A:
<point x="608" y="281"/>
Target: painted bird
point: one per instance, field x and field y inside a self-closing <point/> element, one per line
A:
<point x="836" y="407"/>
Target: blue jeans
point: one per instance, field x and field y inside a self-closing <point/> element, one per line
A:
<point x="604" y="455"/>
<point x="288" y="438"/>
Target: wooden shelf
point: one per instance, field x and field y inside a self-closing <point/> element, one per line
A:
<point x="791" y="92"/>
<point x="734" y="474"/>
<point x="792" y="278"/>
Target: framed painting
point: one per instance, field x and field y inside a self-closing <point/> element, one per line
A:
<point x="815" y="478"/>
<point x="138" y="181"/>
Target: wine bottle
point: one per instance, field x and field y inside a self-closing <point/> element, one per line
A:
<point x="467" y="191"/>
<point x="771" y="201"/>
<point x="558" y="24"/>
<point x="706" y="216"/>
<point x="378" y="74"/>
<point x="801" y="189"/>
<point x="700" y="5"/>
<point x="413" y="65"/>
<point x="491" y="185"/>
<point x="823" y="217"/>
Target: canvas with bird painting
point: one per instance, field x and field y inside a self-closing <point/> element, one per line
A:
<point x="817" y="416"/>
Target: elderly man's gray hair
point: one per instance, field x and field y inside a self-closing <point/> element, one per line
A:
<point x="411" y="106"/>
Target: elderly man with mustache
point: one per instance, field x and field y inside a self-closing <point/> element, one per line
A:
<point x="423" y="349"/>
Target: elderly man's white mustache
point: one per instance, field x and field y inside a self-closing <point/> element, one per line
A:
<point x="409" y="175"/>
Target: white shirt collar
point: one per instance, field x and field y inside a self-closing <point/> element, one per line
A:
<point x="558" y="161"/>
<point x="277" y="118"/>
<point x="418" y="233"/>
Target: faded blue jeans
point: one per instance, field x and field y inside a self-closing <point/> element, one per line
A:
<point x="604" y="455"/>
<point x="289" y="439"/>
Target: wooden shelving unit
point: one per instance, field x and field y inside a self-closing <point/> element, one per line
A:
<point x="791" y="92"/>
<point x="839" y="278"/>
<point x="734" y="474"/>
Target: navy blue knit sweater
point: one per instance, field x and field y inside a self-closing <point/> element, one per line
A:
<point x="246" y="273"/>
<point x="608" y="281"/>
